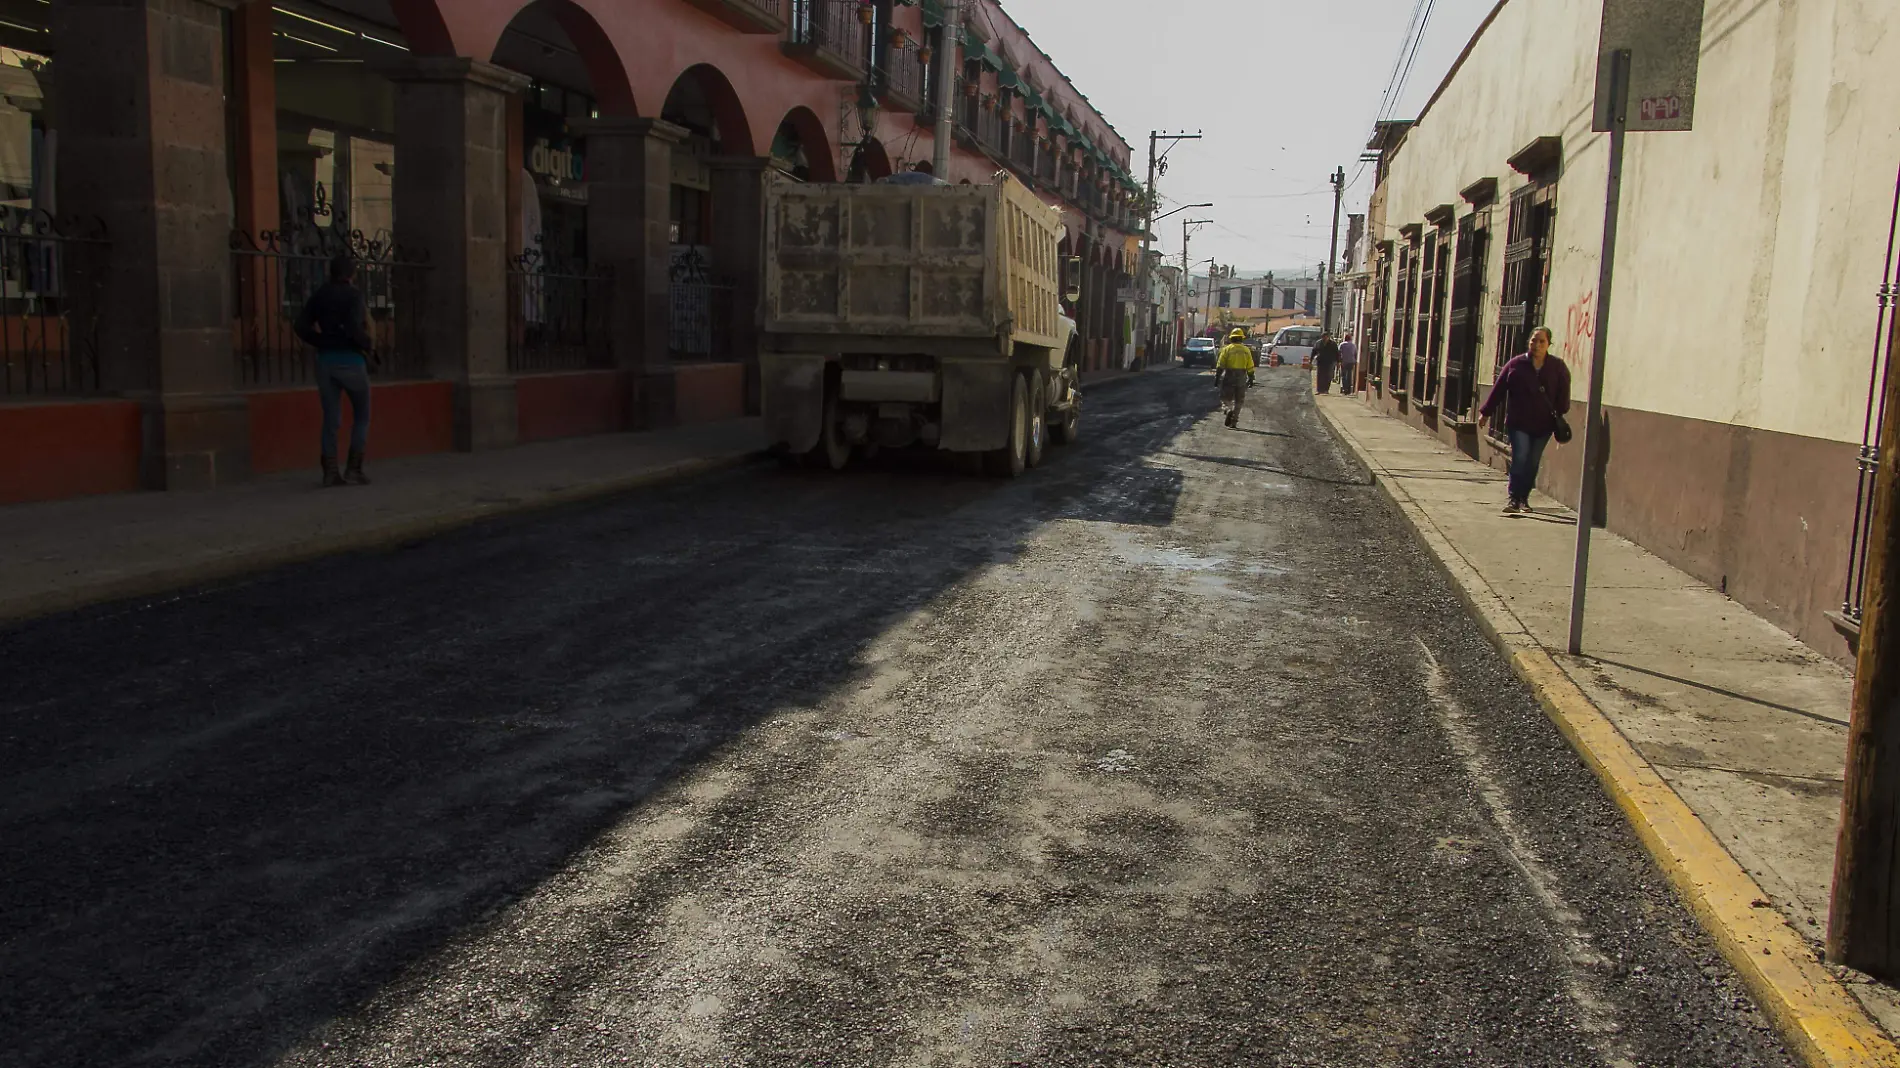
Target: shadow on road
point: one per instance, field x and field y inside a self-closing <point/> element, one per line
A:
<point x="229" y="817"/>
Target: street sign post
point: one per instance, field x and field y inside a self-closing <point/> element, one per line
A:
<point x="1647" y="58"/>
<point x="1664" y="40"/>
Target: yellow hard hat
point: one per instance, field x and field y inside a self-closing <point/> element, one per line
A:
<point x="1238" y="335"/>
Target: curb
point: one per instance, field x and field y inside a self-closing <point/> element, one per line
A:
<point x="166" y="579"/>
<point x="1815" y="1014"/>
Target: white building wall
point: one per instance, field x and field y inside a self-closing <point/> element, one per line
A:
<point x="1750" y="247"/>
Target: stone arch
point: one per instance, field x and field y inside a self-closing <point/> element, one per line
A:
<point x="802" y="129"/>
<point x="424" y="27"/>
<point x="728" y="113"/>
<point x="606" y="74"/>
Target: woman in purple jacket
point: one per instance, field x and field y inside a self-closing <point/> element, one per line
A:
<point x="1534" y="387"/>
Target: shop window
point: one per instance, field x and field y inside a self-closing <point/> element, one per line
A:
<point x="1224" y="295"/>
<point x="1246" y="296"/>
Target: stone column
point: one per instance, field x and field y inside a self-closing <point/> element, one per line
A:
<point x="142" y="147"/>
<point x="629" y="212"/>
<point x="451" y="181"/>
<point x="738" y="252"/>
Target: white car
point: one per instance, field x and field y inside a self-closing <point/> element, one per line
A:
<point x="1293" y="344"/>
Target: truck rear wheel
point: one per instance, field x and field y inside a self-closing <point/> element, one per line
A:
<point x="1038" y="422"/>
<point x="1009" y="461"/>
<point x="832" y="452"/>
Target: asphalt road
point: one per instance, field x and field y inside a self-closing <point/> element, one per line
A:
<point x="1176" y="751"/>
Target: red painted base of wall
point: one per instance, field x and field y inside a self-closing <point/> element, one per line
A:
<point x="69" y="449"/>
<point x="571" y="404"/>
<point x="709" y="392"/>
<point x="406" y="419"/>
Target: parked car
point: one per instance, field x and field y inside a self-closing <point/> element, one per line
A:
<point x="1293" y="345"/>
<point x="1199" y="351"/>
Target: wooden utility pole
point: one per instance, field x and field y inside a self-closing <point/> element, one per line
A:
<point x="1863" y="922"/>
<point x="1338" y="179"/>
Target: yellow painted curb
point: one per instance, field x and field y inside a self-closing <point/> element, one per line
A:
<point x="1817" y="1016"/>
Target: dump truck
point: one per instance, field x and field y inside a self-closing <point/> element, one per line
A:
<point x="917" y="315"/>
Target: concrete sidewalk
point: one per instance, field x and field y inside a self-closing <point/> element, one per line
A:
<point x="1737" y="720"/>
<point x="63" y="554"/>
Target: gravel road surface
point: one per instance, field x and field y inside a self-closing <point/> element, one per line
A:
<point x="1176" y="751"/>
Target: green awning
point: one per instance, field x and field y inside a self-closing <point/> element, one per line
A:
<point x="975" y="50"/>
<point x="1008" y="80"/>
<point x="933" y="13"/>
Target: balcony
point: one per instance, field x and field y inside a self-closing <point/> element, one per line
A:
<point x="746" y="16"/>
<point x="827" y="36"/>
<point x="899" y="79"/>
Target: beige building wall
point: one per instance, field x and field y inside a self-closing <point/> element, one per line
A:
<point x="1751" y="249"/>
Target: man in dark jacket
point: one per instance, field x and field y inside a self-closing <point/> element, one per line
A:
<point x="336" y="321"/>
<point x="1326" y="354"/>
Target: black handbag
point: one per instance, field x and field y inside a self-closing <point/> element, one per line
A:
<point x="1562" y="432"/>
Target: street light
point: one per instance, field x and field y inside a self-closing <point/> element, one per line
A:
<point x="1183" y="207"/>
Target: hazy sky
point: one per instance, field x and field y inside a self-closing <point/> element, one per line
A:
<point x="1283" y="91"/>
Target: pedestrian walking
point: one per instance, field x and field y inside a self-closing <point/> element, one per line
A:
<point x="335" y="320"/>
<point x="1348" y="365"/>
<point x="1326" y="354"/>
<point x="1534" y="389"/>
<point x="1233" y="369"/>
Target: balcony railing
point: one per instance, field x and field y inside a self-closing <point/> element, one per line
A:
<point x="828" y="37"/>
<point x="899" y="79"/>
<point x="747" y="16"/>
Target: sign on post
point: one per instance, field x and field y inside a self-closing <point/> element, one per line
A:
<point x="1664" y="40"/>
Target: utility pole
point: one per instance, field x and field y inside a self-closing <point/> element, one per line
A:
<point x="1861" y="928"/>
<point x="946" y="89"/>
<point x="1326" y="276"/>
<point x="1187" y="278"/>
<point x="1606" y="275"/>
<point x="1144" y="285"/>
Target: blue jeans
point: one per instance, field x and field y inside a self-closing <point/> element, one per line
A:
<point x="336" y="377"/>
<point x="1527" y="452"/>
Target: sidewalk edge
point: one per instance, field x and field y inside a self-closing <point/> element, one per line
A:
<point x="1817" y="1016"/>
<point x="200" y="572"/>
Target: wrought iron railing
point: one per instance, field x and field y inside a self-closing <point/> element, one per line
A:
<point x="557" y="315"/>
<point x="52" y="274"/>
<point x="1886" y="327"/>
<point x="274" y="274"/>
<point x="830" y="26"/>
<point x="703" y="314"/>
<point x="900" y="77"/>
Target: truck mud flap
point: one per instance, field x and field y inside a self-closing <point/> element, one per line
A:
<point x="975" y="405"/>
<point x="792" y="399"/>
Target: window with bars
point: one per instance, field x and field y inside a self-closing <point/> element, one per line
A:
<point x="1467" y="301"/>
<point x="1403" y="314"/>
<point x="1526" y="274"/>
<point x="1431" y="317"/>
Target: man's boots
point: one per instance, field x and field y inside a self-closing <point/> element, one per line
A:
<point x="354" y="473"/>
<point x="330" y="475"/>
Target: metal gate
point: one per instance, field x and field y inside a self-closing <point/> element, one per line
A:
<point x="52" y="278"/>
<point x="1526" y="263"/>
<point x="274" y="274"/>
<point x="1374" y="359"/>
<point x="1431" y="325"/>
<point x="1467" y="290"/>
<point x="1403" y="316"/>
<point x="557" y="314"/>
<point x="1886" y="332"/>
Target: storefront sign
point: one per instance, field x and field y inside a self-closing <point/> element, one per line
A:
<point x="560" y="162"/>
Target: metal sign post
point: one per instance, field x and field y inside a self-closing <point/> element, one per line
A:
<point x="1647" y="56"/>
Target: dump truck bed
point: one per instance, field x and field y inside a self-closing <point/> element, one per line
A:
<point x="912" y="262"/>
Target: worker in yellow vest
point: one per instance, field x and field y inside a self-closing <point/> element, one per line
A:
<point x="1234" y="370"/>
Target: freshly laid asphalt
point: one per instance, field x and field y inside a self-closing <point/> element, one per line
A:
<point x="1176" y="751"/>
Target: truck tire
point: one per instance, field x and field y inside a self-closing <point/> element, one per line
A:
<point x="1009" y="461"/>
<point x="1038" y="422"/>
<point x="1064" y="430"/>
<point x="832" y="452"/>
